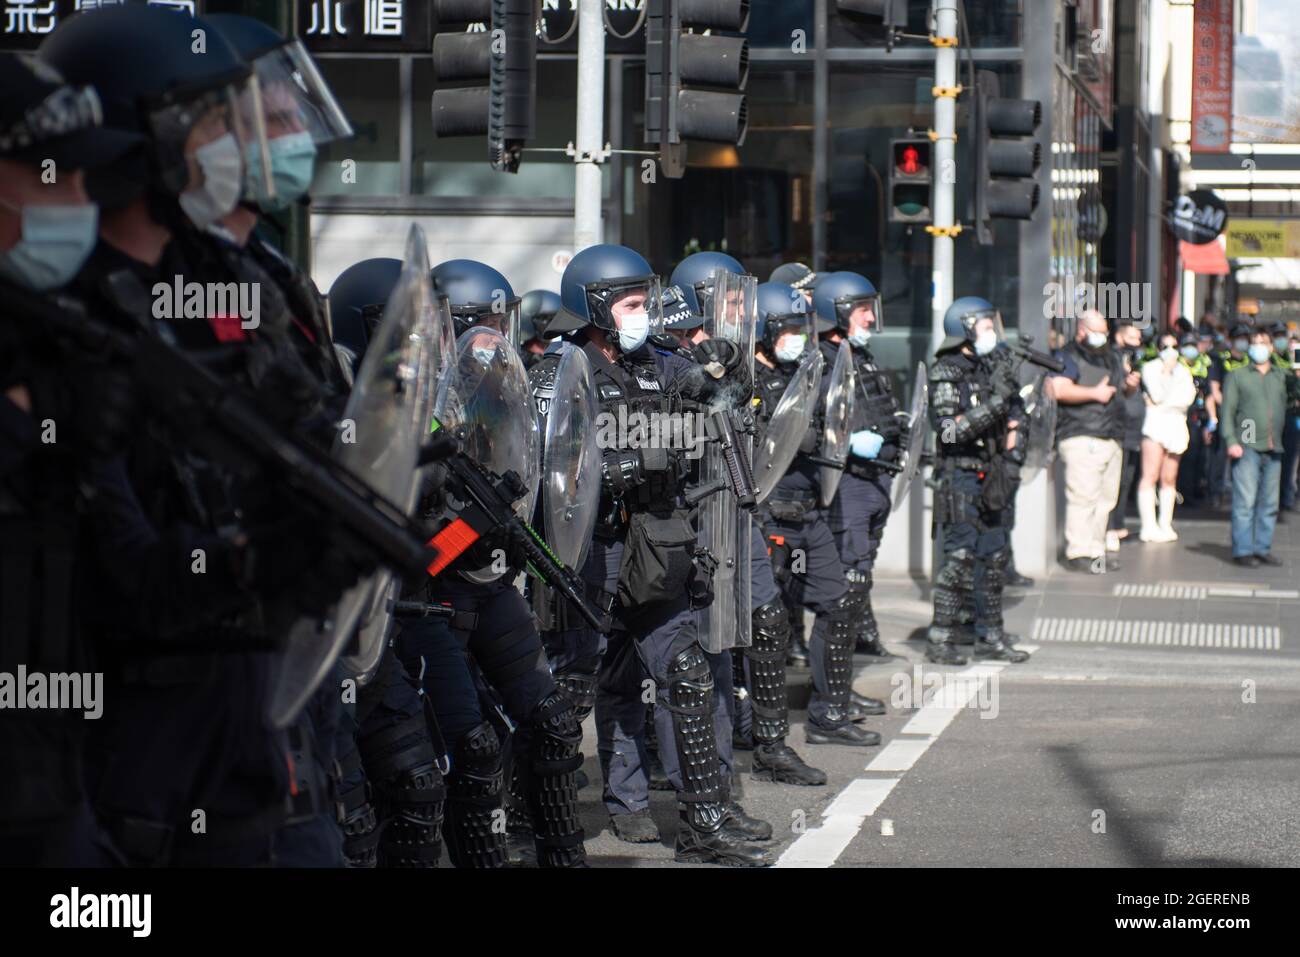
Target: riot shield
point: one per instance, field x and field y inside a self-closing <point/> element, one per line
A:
<point x="914" y="433"/>
<point x="790" y="420"/>
<point x="724" y="528"/>
<point x="571" y="460"/>
<point x="383" y="426"/>
<point x="497" y="431"/>
<point x="839" y="414"/>
<point x="571" y="474"/>
<point x="1040" y="442"/>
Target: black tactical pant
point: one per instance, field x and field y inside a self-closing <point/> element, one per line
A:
<point x="972" y="567"/>
<point x="807" y="567"/>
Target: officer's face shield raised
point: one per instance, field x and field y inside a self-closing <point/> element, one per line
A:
<point x="215" y="131"/>
<point x="632" y="309"/>
<point x="301" y="114"/>
<point x="860" y="316"/>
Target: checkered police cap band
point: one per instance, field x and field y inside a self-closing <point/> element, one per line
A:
<point x="66" y="110"/>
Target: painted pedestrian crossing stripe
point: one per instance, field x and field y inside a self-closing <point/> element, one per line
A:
<point x="1180" y="592"/>
<point x="1184" y="634"/>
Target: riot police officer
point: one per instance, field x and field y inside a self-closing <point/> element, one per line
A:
<point x="645" y="554"/>
<point x="969" y="404"/>
<point x="47" y="230"/>
<point x="187" y="767"/>
<point x="494" y="623"/>
<point x="850" y="303"/>
<point x="806" y="561"/>
<point x="536" y="310"/>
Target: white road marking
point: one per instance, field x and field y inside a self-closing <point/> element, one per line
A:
<point x="844" y="816"/>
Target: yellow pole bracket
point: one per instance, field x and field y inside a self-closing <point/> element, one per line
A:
<point x="935" y="137"/>
<point x="943" y="41"/>
<point x="949" y="231"/>
<point x="952" y="91"/>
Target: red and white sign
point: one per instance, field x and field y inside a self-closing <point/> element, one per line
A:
<point x="1212" y="52"/>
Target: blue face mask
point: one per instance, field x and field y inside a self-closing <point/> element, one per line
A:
<point x="293" y="164"/>
<point x="55" y="243"/>
<point x="1259" y="353"/>
<point x="1190" y="352"/>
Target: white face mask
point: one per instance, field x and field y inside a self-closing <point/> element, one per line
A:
<point x="633" y="329"/>
<point x="1096" y="340"/>
<point x="223" y="181"/>
<point x="859" y="337"/>
<point x="791" y="347"/>
<point x="986" y="342"/>
<point x="1169" y="353"/>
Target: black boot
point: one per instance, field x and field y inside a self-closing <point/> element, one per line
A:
<point x="1017" y="580"/>
<point x="942" y="651"/>
<point x="778" y="762"/>
<point x="742" y="826"/>
<point x="695" y="846"/>
<point x="838" y="729"/>
<point x="635" y="828"/>
<point x="993" y="648"/>
<point x="861" y="707"/>
<point x="702" y="836"/>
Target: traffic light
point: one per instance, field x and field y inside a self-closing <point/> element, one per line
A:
<point x="496" y="50"/>
<point x="681" y="58"/>
<point x="1005" y="164"/>
<point x="910" y="177"/>
<point x="891" y="13"/>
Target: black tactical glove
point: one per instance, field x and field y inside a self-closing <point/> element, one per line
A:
<point x="1005" y="380"/>
<point x="719" y="357"/>
<point x="627" y="468"/>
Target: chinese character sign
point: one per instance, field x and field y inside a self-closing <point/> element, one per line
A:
<point x="1212" y="42"/>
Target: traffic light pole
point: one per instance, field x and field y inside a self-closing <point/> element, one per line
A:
<point x="590" y="141"/>
<point x="945" y="133"/>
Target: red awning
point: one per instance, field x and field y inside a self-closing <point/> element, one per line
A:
<point x="1208" y="260"/>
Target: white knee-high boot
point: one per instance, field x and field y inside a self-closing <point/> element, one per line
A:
<point x="1168" y="499"/>
<point x="1147" y="512"/>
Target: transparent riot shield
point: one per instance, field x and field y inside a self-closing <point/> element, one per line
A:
<point x="839" y="414"/>
<point x="498" y="430"/>
<point x="779" y="443"/>
<point x="571" y="476"/>
<point x="914" y="432"/>
<point x="724" y="527"/>
<point x="383" y="427"/>
<point x="1040" y="442"/>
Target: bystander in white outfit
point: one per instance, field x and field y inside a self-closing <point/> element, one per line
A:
<point x="1169" y="390"/>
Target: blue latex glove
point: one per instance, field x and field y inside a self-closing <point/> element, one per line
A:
<point x="866" y="444"/>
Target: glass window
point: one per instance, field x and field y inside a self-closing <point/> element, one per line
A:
<point x="868" y="109"/>
<point x="772" y="23"/>
<point x="754" y="201"/>
<point x="369" y="92"/>
<point x="458" y="166"/>
<point x="992" y="23"/>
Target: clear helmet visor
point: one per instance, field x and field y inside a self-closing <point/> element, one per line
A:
<point x="980" y="323"/>
<point x="631" y="305"/>
<point x="502" y="315"/>
<point x="218" y="131"/>
<point x="296" y="97"/>
<point x="860" y="315"/>
<point x="784" y="333"/>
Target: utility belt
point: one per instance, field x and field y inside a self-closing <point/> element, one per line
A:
<point x="153" y="843"/>
<point x="790" y="507"/>
<point x="863" y="469"/>
<point x="962" y="463"/>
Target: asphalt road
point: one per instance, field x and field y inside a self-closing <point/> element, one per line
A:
<point x="1157" y="724"/>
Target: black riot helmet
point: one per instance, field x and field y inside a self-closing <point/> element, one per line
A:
<point x="175" y="80"/>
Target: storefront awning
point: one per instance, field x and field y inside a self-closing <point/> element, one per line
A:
<point x="1207" y="259"/>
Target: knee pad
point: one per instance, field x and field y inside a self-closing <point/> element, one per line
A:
<point x="770" y="631"/>
<point x="580" y="688"/>
<point x="413" y="827"/>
